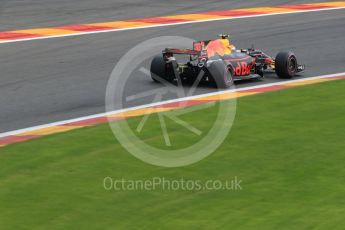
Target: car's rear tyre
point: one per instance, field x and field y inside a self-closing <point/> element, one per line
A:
<point x="221" y="75"/>
<point x="286" y="64"/>
<point x="158" y="69"/>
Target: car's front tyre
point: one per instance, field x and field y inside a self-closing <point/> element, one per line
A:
<point x="286" y="64"/>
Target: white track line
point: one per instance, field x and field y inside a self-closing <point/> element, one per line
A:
<point x="169" y="24"/>
<point x="15" y="132"/>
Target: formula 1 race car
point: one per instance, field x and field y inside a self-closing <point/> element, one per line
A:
<point x="212" y="61"/>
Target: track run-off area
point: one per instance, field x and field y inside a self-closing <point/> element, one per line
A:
<point x="143" y="23"/>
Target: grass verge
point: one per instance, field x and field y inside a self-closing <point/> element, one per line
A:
<point x="287" y="147"/>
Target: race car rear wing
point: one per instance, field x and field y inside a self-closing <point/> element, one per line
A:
<point x="181" y="51"/>
<point x="199" y="49"/>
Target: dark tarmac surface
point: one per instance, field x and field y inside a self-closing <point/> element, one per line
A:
<point x="49" y="80"/>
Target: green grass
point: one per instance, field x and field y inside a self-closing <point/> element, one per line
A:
<point x="287" y="147"/>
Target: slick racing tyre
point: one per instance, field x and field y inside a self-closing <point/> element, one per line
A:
<point x="157" y="68"/>
<point x="220" y="74"/>
<point x="160" y="70"/>
<point x="286" y="64"/>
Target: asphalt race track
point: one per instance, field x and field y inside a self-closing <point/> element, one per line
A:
<point x="55" y="79"/>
